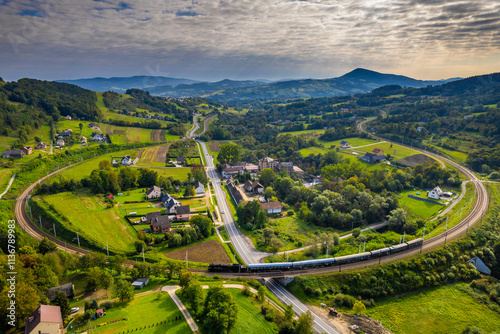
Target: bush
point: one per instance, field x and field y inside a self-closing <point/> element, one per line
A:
<point x="106" y="305"/>
<point x="290" y="213"/>
<point x="269" y="315"/>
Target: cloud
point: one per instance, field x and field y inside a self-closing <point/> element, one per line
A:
<point x="208" y="39"/>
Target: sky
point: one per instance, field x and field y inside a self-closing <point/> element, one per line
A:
<point x="247" y="39"/>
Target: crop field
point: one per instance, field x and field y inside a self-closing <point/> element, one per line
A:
<point x="416" y="208"/>
<point x="161" y="155"/>
<point x="149" y="157"/>
<point x="209" y="251"/>
<point x="159" y="307"/>
<point x="84" y="169"/>
<point x="89" y="216"/>
<point x="447" y="309"/>
<point x="158" y="135"/>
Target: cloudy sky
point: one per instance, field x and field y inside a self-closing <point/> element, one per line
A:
<point x="248" y="39"/>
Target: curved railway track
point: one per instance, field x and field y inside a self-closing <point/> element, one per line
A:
<point x="474" y="215"/>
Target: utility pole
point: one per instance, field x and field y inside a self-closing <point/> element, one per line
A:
<point x="327" y="251"/>
<point x="359" y="251"/>
<point x="78" y="239"/>
<point x="55" y="234"/>
<point x="187" y="263"/>
<point x="286" y="257"/>
<point x="143" y="259"/>
<point x="40" y="219"/>
<point x="364" y="246"/>
<point x="446" y="230"/>
<point x="107" y="249"/>
<point x="404" y="236"/>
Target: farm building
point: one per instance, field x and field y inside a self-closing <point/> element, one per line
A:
<point x="40" y="146"/>
<point x="271" y="207"/>
<point x="68" y="289"/>
<point x="344" y="144"/>
<point x="60" y="142"/>
<point x="12" y="154"/>
<point x="160" y="224"/>
<point x="373" y="158"/>
<point x="140" y="282"/>
<point x="45" y="319"/>
<point x="153" y="192"/>
<point x="234" y="191"/>
<point x="126" y="160"/>
<point x="27" y="150"/>
<point x="199" y="187"/>
<point x="182" y="212"/>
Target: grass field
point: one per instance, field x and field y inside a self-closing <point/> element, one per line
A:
<point x="447" y="309"/>
<point x="396" y="151"/>
<point x="315" y="132"/>
<point x="312" y="150"/>
<point x="354" y="141"/>
<point x="89" y="216"/>
<point x="158" y="310"/>
<point x="178" y="173"/>
<point x="418" y="208"/>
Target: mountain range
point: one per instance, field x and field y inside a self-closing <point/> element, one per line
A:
<point x="357" y="81"/>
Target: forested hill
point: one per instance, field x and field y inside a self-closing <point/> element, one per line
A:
<point x="55" y="99"/>
<point x="354" y="82"/>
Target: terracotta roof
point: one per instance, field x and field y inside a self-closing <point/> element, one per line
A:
<point x="270" y="205"/>
<point x="44" y="313"/>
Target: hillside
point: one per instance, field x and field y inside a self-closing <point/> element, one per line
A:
<point x="202" y="88"/>
<point x="121" y="84"/>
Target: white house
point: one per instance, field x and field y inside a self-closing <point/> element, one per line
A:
<point x="435" y="193"/>
<point x="153" y="192"/>
<point x="126" y="160"/>
<point x="271" y="207"/>
<point x="199" y="188"/>
<point x="60" y="142"/>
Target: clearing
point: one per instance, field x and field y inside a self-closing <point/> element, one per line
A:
<point x="413" y="160"/>
<point x="161" y="313"/>
<point x="420" y="209"/>
<point x="446" y="309"/>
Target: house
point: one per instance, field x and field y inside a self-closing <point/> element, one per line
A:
<point x="68" y="118"/>
<point x="170" y="203"/>
<point x="288" y="166"/>
<point x="377" y="151"/>
<point x="126" y="160"/>
<point x="45" y="319"/>
<point x="435" y="193"/>
<point x="99" y="313"/>
<point x="232" y="171"/>
<point x="257" y="188"/>
<point x="373" y="158"/>
<point x="480" y="266"/>
<point x="91" y="125"/>
<point x="98" y="137"/>
<point x="27" y="150"/>
<point x="65" y="134"/>
<point x="60" y="142"/>
<point x="140" y="282"/>
<point x="12" y="154"/>
<point x="297" y="170"/>
<point x="182" y="212"/>
<point x="153" y="192"/>
<point x="419" y="129"/>
<point x="160" y="224"/>
<point x="271" y="207"/>
<point x="181" y="160"/>
<point x="247" y="186"/>
<point x="251" y="168"/>
<point x="40" y="146"/>
<point x="68" y="289"/>
<point x="111" y="197"/>
<point x="199" y="187"/>
<point x="234" y="191"/>
<point x="268" y="163"/>
<point x="148" y="217"/>
<point x="344" y="144"/>
<point x="83" y="140"/>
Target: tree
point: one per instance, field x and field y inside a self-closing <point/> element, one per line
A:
<point x="203" y="223"/>
<point x="189" y="191"/>
<point x="125" y="291"/>
<point x="267" y="176"/>
<point x="275" y="244"/>
<point x="261" y="293"/>
<point x="62" y="301"/>
<point x="185" y="278"/>
<point x="397" y="219"/>
<point x="147" y="177"/>
<point x="359" y="307"/>
<point x="305" y="323"/>
<point x="199" y="174"/>
<point x="356" y="232"/>
<point x="269" y="192"/>
<point x="194" y="295"/>
<point x="473" y="330"/>
<point x="27" y="301"/>
<point x="336" y="239"/>
<point x="46" y="246"/>
<point x="289" y="312"/>
<point x="220" y="312"/>
<point x="268" y="234"/>
<point x="140" y="246"/>
<point x="229" y="153"/>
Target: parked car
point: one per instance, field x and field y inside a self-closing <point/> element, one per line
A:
<point x="75" y="309"/>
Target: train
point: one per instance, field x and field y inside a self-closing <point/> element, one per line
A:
<point x="318" y="263"/>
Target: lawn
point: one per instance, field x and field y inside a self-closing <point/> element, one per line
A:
<point x="354" y="141"/>
<point x="84" y="169"/>
<point x="149" y="314"/>
<point x="447" y="309"/>
<point x="396" y="151"/>
<point x="312" y="150"/>
<point x="178" y="173"/>
<point x="249" y="319"/>
<point x="136" y="195"/>
<point x="420" y="209"/>
<point x="88" y="215"/>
